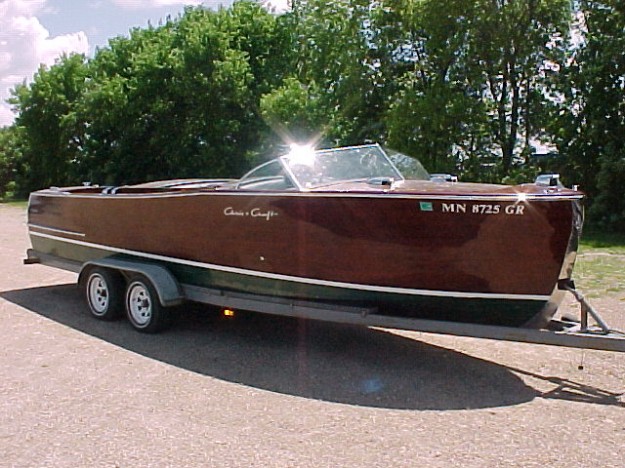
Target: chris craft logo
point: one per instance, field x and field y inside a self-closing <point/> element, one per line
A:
<point x="253" y="213"/>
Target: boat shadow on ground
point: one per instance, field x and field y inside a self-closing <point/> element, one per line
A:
<point x="330" y="362"/>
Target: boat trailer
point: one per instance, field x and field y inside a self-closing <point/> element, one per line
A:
<point x="570" y="334"/>
<point x="567" y="333"/>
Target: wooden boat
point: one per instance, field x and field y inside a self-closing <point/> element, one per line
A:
<point x="340" y="226"/>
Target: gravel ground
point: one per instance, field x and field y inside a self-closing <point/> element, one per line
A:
<point x="265" y="391"/>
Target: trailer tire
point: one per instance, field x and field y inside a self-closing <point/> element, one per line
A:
<point x="143" y="308"/>
<point x="103" y="290"/>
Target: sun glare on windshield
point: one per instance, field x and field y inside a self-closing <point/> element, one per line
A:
<point x="301" y="155"/>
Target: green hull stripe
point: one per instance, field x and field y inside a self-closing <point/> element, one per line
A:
<point x="296" y="279"/>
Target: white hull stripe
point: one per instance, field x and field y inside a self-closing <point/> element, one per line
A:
<point x="297" y="279"/>
<point x="58" y="231"/>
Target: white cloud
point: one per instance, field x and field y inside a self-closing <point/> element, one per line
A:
<point x="25" y="44"/>
<point x="12" y="8"/>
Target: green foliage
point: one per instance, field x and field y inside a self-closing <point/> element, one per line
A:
<point x="608" y="209"/>
<point x="463" y="78"/>
<point x="591" y="121"/>
<point x="466" y="86"/>
<point x="11" y="156"/>
<point x="599" y="266"/>
<point x="337" y="62"/>
<point x="181" y="100"/>
<point x="600" y="274"/>
<point x="428" y="124"/>
<point x="178" y="100"/>
<point x="293" y="111"/>
<point x="513" y="49"/>
<point x="432" y="108"/>
<point x="45" y="114"/>
<point x="602" y="241"/>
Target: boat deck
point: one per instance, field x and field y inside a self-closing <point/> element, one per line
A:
<point x="169" y="186"/>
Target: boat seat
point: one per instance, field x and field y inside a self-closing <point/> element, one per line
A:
<point x="278" y="182"/>
<point x="111" y="190"/>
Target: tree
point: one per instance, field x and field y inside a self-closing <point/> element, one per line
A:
<point x="515" y="46"/>
<point x="11" y="157"/>
<point x="460" y="84"/>
<point x="293" y="112"/>
<point x="177" y="100"/>
<point x="45" y="108"/>
<point x="591" y="122"/>
<point x="422" y="52"/>
<point x="337" y="65"/>
<point x="166" y="102"/>
<point x="468" y="79"/>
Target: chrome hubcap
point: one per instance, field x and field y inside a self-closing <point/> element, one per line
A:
<point x="98" y="294"/>
<point x="139" y="304"/>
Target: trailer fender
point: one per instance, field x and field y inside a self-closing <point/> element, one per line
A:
<point x="167" y="287"/>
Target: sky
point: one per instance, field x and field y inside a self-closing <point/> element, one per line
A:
<point x="35" y="32"/>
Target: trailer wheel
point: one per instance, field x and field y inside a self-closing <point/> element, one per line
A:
<point x="103" y="290"/>
<point x="145" y="312"/>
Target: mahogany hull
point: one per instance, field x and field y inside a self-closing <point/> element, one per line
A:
<point x="483" y="259"/>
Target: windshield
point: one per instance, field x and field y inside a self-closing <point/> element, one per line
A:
<point x="312" y="168"/>
<point x="410" y="167"/>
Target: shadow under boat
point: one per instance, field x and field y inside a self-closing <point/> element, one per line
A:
<point x="326" y="361"/>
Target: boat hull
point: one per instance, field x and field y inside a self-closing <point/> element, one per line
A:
<point x="470" y="259"/>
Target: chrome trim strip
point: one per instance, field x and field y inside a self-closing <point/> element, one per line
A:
<point x="482" y="198"/>
<point x="59" y="231"/>
<point x="296" y="279"/>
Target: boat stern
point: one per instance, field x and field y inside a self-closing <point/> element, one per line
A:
<point x="543" y="318"/>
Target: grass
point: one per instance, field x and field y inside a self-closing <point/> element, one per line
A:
<point x="600" y="267"/>
<point x="600" y="275"/>
<point x="16" y="203"/>
<point x="607" y="242"/>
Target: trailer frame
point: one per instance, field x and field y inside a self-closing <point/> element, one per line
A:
<point x="170" y="292"/>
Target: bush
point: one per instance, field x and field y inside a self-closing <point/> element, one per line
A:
<point x="608" y="209"/>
